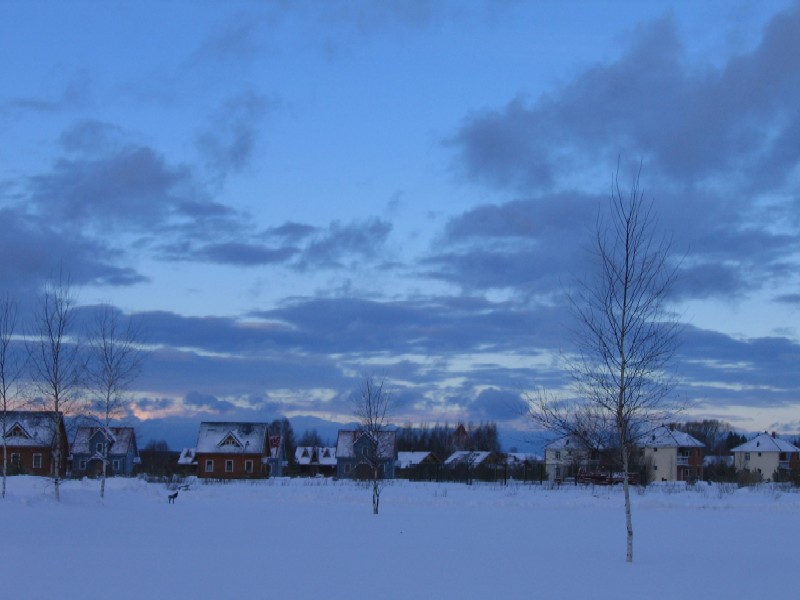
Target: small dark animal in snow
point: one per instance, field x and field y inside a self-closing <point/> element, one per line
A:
<point x="171" y="497"/>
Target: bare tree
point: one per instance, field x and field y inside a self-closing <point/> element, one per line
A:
<point x="372" y="406"/>
<point x="56" y="362"/>
<point x="625" y="336"/>
<point x="11" y="367"/>
<point x="114" y="362"/>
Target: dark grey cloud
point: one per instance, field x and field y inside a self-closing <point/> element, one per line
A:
<point x="340" y="242"/>
<point x="689" y="121"/>
<point x="207" y="403"/>
<point x="717" y="144"/>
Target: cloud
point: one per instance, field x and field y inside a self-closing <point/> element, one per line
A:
<point x="229" y="141"/>
<point x="719" y="149"/>
<point x="359" y="239"/>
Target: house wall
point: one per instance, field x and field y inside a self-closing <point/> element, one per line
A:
<point x="764" y="462"/>
<point x="238" y="471"/>
<point x="561" y="463"/>
<point x="664" y="463"/>
<point x="26" y="459"/>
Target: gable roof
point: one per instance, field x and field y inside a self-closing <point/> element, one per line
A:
<point x="187" y="457"/>
<point x="123" y="440"/>
<point x="232" y="438"/>
<point x="664" y="437"/>
<point x="406" y="460"/>
<point x="766" y="443"/>
<point x="466" y="457"/>
<point x="318" y="455"/>
<point x="348" y="438"/>
<point x="29" y="428"/>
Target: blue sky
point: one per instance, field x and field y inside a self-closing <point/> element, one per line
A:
<point x="290" y="194"/>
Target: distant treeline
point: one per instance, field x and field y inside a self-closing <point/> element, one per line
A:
<point x="443" y="440"/>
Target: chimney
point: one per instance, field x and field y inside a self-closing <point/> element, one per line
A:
<point x="773" y="435"/>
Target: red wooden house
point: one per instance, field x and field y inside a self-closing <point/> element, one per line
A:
<point x="31" y="439"/>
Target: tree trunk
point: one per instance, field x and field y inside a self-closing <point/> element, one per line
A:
<point x="5" y="462"/>
<point x="375" y="492"/>
<point x="627" y="492"/>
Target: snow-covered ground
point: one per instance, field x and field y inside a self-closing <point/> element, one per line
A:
<point x="294" y="539"/>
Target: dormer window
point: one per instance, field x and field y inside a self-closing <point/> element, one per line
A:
<point x="18" y="432"/>
<point x="230" y="441"/>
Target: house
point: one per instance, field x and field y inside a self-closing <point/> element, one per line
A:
<point x="315" y="460"/>
<point x="87" y="451"/>
<point x="410" y="460"/>
<point x="468" y="464"/>
<point x="31" y="439"/>
<point x="354" y="454"/>
<point x="767" y="455"/>
<point x="672" y="455"/>
<point x="417" y="465"/>
<point x="238" y="451"/>
<point x="187" y="462"/>
<point x="567" y="456"/>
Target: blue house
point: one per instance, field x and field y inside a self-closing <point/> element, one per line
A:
<point x="355" y="450"/>
<point x="87" y="451"/>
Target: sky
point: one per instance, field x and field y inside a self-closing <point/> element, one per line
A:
<point x="288" y="196"/>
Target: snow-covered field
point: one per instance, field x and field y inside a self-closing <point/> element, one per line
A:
<point x="318" y="539"/>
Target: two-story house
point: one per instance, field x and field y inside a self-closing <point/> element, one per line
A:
<point x="355" y="451"/>
<point x="238" y="451"/>
<point x="767" y="455"/>
<point x="31" y="440"/>
<point x="567" y="456"/>
<point x="88" y="448"/>
<point x="672" y="455"/>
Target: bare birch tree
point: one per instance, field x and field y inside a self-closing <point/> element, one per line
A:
<point x="11" y="367"/>
<point x="625" y="337"/>
<point x="114" y="362"/>
<point x="57" y="366"/>
<point x="372" y="406"/>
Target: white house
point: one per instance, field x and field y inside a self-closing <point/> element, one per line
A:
<point x="672" y="455"/>
<point x="566" y="456"/>
<point x="766" y="454"/>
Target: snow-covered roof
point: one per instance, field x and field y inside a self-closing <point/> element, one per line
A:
<point x="664" y="437"/>
<point x="318" y="455"/>
<point x="29" y="428"/>
<point x="467" y="457"/>
<point x="568" y="442"/>
<point x="766" y="443"/>
<point x="188" y="457"/>
<point x="232" y="438"/>
<point x="122" y="439"/>
<point x="406" y="460"/>
<point x="348" y="437"/>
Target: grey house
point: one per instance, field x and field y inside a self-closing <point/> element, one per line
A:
<point x="87" y="451"/>
<point x="354" y="451"/>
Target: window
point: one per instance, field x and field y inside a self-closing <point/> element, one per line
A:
<point x="747" y="456"/>
<point x="558" y="455"/>
<point x="15" y="459"/>
<point x="37" y="461"/>
<point x="248" y="466"/>
<point x="655" y="467"/>
<point x="229" y="466"/>
<point x="655" y="449"/>
<point x="209" y="466"/>
<point x="82" y="464"/>
<point x="115" y="464"/>
<point x="98" y="447"/>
